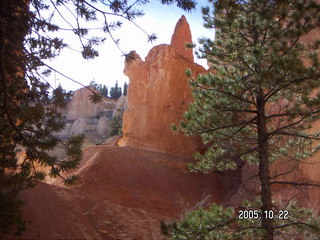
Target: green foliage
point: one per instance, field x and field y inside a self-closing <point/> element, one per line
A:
<point x="116" y="125"/>
<point x="28" y="118"/>
<point x="10" y="213"/>
<point x="187" y="5"/>
<point x="61" y="97"/>
<point x="104" y="91"/>
<point x="214" y="223"/>
<point x="101" y="88"/>
<point x="259" y="104"/>
<point x="217" y="222"/>
<point x="115" y="92"/>
<point x="125" y="89"/>
<point x="256" y="54"/>
<point x="93" y="84"/>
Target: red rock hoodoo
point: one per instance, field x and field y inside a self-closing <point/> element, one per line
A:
<point x="159" y="94"/>
<point x="180" y="37"/>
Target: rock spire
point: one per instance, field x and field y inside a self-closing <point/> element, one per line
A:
<point x="181" y="36"/>
<point x="159" y="94"/>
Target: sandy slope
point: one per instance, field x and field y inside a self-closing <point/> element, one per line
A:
<point x="122" y="193"/>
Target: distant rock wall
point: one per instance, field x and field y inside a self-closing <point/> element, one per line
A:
<point x="81" y="106"/>
<point x="159" y="94"/>
<point x="83" y="116"/>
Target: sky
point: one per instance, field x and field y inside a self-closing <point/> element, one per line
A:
<point x="108" y="67"/>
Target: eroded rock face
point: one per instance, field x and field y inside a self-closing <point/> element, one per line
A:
<point x="159" y="94"/>
<point x="83" y="116"/>
<point x="121" y="106"/>
<point x="81" y="106"/>
<point x="103" y="126"/>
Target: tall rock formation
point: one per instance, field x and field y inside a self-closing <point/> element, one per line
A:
<point x="180" y="37"/>
<point x="159" y="94"/>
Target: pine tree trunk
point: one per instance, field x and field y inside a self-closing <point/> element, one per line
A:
<point x="266" y="196"/>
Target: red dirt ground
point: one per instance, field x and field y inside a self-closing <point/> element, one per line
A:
<point x="122" y="193"/>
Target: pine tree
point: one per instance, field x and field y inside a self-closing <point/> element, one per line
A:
<point x="125" y="89"/>
<point x="116" y="125"/>
<point x="259" y="104"/>
<point x="115" y="92"/>
<point x="28" y="118"/>
<point x="104" y="91"/>
<point x="93" y="84"/>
